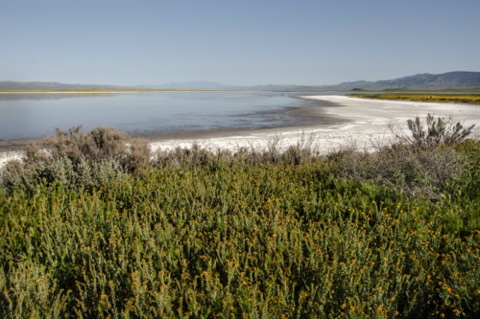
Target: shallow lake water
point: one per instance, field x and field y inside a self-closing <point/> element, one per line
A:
<point x="24" y="116"/>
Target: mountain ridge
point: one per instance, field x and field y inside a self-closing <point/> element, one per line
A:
<point x="449" y="80"/>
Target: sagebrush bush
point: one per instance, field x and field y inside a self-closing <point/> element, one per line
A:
<point x="77" y="160"/>
<point x="417" y="172"/>
<point x="85" y="174"/>
<point x="423" y="162"/>
<point x="437" y="131"/>
<point x="99" y="144"/>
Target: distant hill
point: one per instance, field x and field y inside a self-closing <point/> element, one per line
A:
<point x="450" y="80"/>
<point x="285" y="87"/>
<point x="194" y="85"/>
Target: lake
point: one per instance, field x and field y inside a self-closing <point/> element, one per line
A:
<point x="26" y="116"/>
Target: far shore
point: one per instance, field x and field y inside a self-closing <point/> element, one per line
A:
<point x="115" y="91"/>
<point x="366" y="125"/>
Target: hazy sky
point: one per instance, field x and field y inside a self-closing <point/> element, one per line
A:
<point x="240" y="42"/>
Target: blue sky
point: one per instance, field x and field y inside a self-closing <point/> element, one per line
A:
<point x="242" y="42"/>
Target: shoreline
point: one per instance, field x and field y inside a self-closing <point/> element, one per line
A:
<point x="362" y="123"/>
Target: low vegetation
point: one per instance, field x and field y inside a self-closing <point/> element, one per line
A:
<point x="94" y="226"/>
<point x="451" y="98"/>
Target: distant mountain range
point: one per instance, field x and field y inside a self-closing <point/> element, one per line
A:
<point x="450" y="80"/>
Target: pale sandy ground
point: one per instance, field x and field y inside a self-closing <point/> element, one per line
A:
<point x="367" y="126"/>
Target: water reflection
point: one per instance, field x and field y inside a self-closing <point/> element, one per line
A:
<point x="37" y="115"/>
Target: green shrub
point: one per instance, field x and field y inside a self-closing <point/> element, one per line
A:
<point x="239" y="241"/>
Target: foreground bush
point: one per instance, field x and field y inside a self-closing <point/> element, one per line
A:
<point x="266" y="241"/>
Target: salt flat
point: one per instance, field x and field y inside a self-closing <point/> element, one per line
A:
<point x="368" y="122"/>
